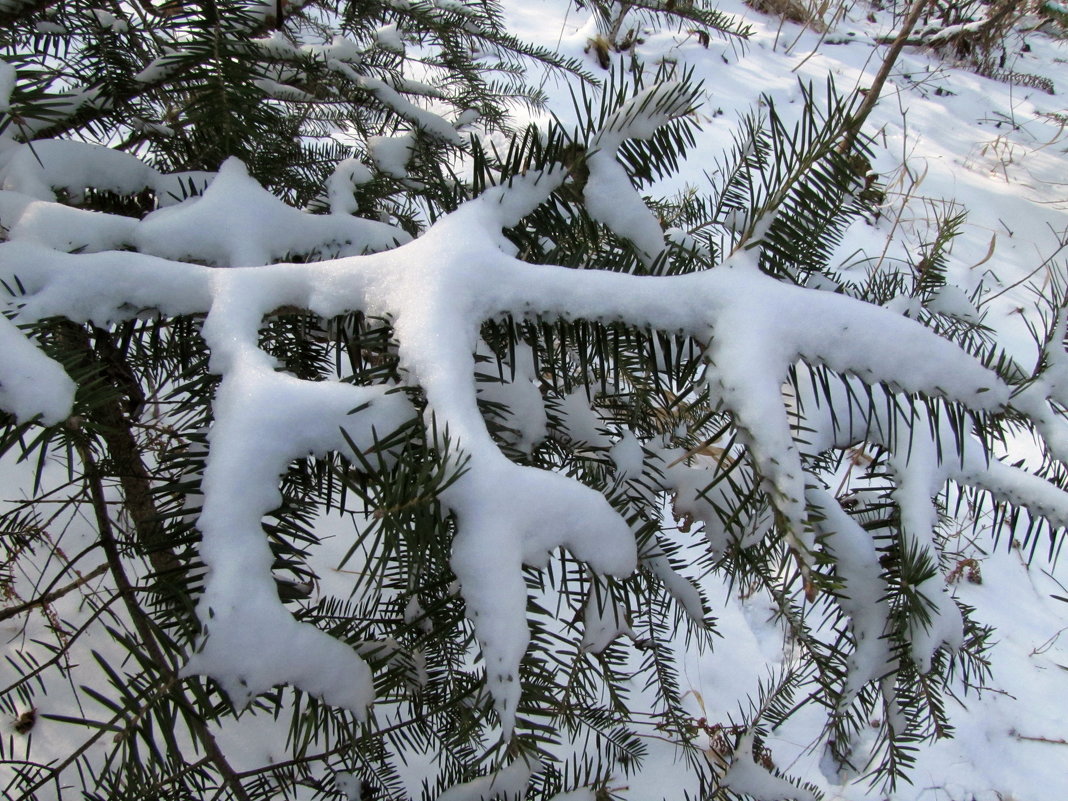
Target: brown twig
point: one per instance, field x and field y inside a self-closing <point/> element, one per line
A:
<point x="54" y="595"/>
<point x="876" y="88"/>
<point x="43" y="666"/>
<point x="140" y="619"/>
<point x="55" y="769"/>
<point x="115" y="427"/>
<point x="1050" y="740"/>
<point x="1045" y="263"/>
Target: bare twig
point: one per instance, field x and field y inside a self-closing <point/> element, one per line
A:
<point x="140" y="619"/>
<point x="1045" y="263"/>
<point x="41" y="668"/>
<point x="1050" y="740"/>
<point x="876" y="88"/>
<point x="54" y="770"/>
<point x="54" y="595"/>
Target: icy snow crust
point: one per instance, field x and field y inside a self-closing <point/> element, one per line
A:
<point x="437" y="290"/>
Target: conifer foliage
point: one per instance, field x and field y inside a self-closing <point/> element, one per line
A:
<point x="370" y="455"/>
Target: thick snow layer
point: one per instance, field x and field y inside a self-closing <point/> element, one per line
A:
<point x="508" y="783"/>
<point x="610" y="200"/>
<point x="423" y="119"/>
<point x="388" y="38"/>
<point x="391" y="154"/>
<point x="251" y="641"/>
<point x="746" y="777"/>
<point x="343" y="183"/>
<point x="62" y="227"/>
<point x="53" y="164"/>
<point x="31" y="384"/>
<point x="237" y="223"/>
<point x="863" y="593"/>
<point x="608" y="193"/>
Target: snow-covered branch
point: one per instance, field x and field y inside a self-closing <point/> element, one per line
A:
<point x="437" y="291"/>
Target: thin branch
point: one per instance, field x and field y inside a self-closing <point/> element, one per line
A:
<point x="55" y="770"/>
<point x="140" y="619"/>
<point x="872" y="97"/>
<point x="24" y="678"/>
<point x="1050" y="740"/>
<point x="54" y="595"/>
<point x="1045" y="263"/>
<point x="115" y="429"/>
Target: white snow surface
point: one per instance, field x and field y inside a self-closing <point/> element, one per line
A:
<point x="508" y="783"/>
<point x="257" y="229"/>
<point x="31" y="384"/>
<point x="746" y="776"/>
<point x="8" y="76"/>
<point x="437" y="289"/>
<point x="391" y="154"/>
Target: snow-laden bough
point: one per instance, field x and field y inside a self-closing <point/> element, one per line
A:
<point x="216" y="255"/>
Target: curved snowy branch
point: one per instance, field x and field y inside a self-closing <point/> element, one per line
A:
<point x="437" y="291"/>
